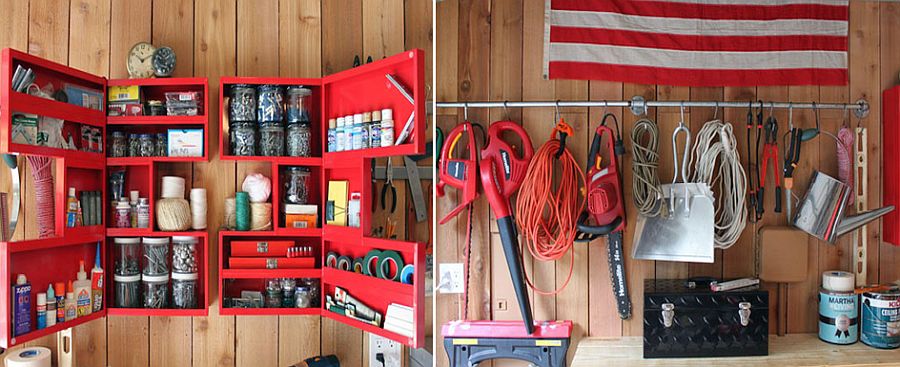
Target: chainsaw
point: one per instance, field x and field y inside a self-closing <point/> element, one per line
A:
<point x="605" y="214"/>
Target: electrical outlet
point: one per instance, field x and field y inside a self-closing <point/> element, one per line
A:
<point x="451" y="278"/>
<point x="389" y="349"/>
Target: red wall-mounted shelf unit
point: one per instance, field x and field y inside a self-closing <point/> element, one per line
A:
<point x="361" y="89"/>
<point x="56" y="259"/>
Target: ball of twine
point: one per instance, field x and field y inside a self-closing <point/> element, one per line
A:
<point x="230" y="213"/>
<point x="258" y="186"/>
<point x="260" y="216"/>
<point x="173" y="214"/>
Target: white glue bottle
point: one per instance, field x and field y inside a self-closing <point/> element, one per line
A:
<point x="387" y="127"/>
<point x="82" y="288"/>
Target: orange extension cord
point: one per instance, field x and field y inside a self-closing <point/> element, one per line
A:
<point x="546" y="217"/>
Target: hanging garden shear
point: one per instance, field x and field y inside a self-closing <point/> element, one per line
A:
<point x="459" y="173"/>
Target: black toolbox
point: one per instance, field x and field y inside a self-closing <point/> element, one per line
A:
<point x="680" y="321"/>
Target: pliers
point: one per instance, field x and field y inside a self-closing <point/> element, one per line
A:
<point x="389" y="183"/>
<point x="790" y="163"/>
<point x="770" y="152"/>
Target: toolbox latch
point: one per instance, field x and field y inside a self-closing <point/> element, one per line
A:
<point x="744" y="312"/>
<point x="668" y="314"/>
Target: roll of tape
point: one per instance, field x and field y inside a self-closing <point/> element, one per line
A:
<point x="358" y="265"/>
<point x="406" y="275"/>
<point x="344" y="263"/>
<point x="29" y="357"/>
<point x="331" y="260"/>
<point x="371" y="262"/>
<point x="390" y="260"/>
<point x="838" y="281"/>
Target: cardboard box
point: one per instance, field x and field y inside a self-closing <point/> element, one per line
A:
<point x="124" y="93"/>
<point x="271" y="263"/>
<point x="260" y="248"/>
<point x="185" y="143"/>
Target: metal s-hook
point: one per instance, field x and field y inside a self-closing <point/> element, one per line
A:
<point x="558" y="115"/>
<point x="506" y="110"/>
<point x="681" y="123"/>
<point x="466" y="111"/>
<point x="791" y="115"/>
<point x="716" y="112"/>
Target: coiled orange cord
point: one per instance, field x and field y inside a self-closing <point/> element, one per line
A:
<point x="547" y="217"/>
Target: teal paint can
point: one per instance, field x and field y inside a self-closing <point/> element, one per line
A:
<point x="838" y="317"/>
<point x="881" y="319"/>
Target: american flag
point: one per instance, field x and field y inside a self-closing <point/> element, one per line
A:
<point x="698" y="42"/>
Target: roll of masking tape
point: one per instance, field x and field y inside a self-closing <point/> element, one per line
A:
<point x="331" y="260"/>
<point x="29" y="357"/>
<point x="358" y="265"/>
<point x="407" y="274"/>
<point x="371" y="262"/>
<point x="344" y="263"/>
<point x="838" y="281"/>
<point x="390" y="265"/>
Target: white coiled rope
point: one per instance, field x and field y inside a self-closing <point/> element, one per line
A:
<point x="716" y="142"/>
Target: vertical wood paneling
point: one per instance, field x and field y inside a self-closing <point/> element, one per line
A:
<point x="48" y="30"/>
<point x="341" y="34"/>
<point x="173" y="23"/>
<point x="14" y="34"/>
<point x="214" y="56"/>
<point x="300" y="38"/>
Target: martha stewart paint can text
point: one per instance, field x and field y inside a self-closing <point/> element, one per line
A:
<point x="838" y="317"/>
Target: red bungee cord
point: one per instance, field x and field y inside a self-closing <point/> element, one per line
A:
<point x="547" y="216"/>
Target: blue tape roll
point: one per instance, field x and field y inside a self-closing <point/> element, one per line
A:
<point x="406" y="275"/>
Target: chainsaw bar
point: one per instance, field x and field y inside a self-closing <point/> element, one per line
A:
<point x="617" y="274"/>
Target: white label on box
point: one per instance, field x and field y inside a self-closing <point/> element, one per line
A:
<point x="185" y="142"/>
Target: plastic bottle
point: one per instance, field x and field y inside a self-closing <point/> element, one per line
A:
<point x="332" y="135"/>
<point x="339" y="134"/>
<point x="133" y="195"/>
<point x="375" y="130"/>
<point x="97" y="283"/>
<point x="60" y="290"/>
<point x="42" y="310"/>
<point x="82" y="289"/>
<point x="364" y="131"/>
<point x="387" y="127"/>
<point x="71" y="304"/>
<point x="51" y="306"/>
<point x="71" y="208"/>
<point x="357" y="131"/>
<point x="21" y="306"/>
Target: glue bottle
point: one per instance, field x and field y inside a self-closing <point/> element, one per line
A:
<point x="60" y="290"/>
<point x="97" y="283"/>
<point x="42" y="310"/>
<point x="71" y="208"/>
<point x="51" y="306"/>
<point x="82" y="288"/>
<point x="71" y="307"/>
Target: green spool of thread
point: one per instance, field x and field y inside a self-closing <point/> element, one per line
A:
<point x="242" y="211"/>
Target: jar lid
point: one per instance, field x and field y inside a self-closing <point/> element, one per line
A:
<point x="191" y="239"/>
<point x="299" y="89"/>
<point x="271" y="126"/>
<point x="127" y="278"/>
<point x="160" y="134"/>
<point x="126" y="240"/>
<point x="242" y="86"/>
<point x="185" y="276"/>
<point x="155" y="278"/>
<point x="133" y="136"/>
<point x="156" y="240"/>
<point x="123" y="204"/>
<point x="118" y="133"/>
<point x="146" y="135"/>
<point x="302" y="170"/>
<point x="270" y="86"/>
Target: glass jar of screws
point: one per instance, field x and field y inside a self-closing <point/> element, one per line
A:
<point x="298" y="139"/>
<point x="127" y="254"/>
<point x="156" y="291"/>
<point x="127" y="290"/>
<point x="296" y="185"/>
<point x="184" y="290"/>
<point x="243" y="139"/>
<point x="270" y="105"/>
<point x="273" y="294"/>
<point x="271" y="139"/>
<point x="243" y="103"/>
<point x="118" y="145"/>
<point x="184" y="254"/>
<point x="156" y="256"/>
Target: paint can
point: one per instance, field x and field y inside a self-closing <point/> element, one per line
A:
<point x="838" y="308"/>
<point x="881" y="319"/>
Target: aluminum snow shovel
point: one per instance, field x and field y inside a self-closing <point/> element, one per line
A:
<point x="683" y="232"/>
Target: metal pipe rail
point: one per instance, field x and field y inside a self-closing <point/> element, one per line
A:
<point x="639" y="106"/>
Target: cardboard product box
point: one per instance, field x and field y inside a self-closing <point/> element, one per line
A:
<point x="84" y="97"/>
<point x="24" y="128"/>
<point x="124" y="94"/>
<point x="185" y="142"/>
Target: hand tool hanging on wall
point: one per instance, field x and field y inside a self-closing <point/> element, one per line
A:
<point x="548" y="215"/>
<point x="753" y="168"/>
<point x="791" y="159"/>
<point x="770" y="153"/>
<point x="606" y="209"/>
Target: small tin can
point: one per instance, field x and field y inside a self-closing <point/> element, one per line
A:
<point x="881" y="319"/>
<point x="838" y="317"/>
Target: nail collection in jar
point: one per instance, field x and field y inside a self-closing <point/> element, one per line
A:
<point x="156" y="291"/>
<point x="274" y="118"/>
<point x="298" y="139"/>
<point x="156" y="256"/>
<point x="243" y="103"/>
<point x="288" y="286"/>
<point x="296" y="185"/>
<point x="118" y="145"/>
<point x="134" y="145"/>
<point x="298" y="104"/>
<point x="184" y="254"/>
<point x="184" y="290"/>
<point x="127" y="252"/>
<point x="271" y="139"/>
<point x="243" y="139"/>
<point x="270" y="104"/>
<point x="162" y="146"/>
<point x="147" y="145"/>
<point x="127" y="291"/>
<point x="273" y="294"/>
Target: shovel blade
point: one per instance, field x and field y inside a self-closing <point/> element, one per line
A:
<point x="679" y="237"/>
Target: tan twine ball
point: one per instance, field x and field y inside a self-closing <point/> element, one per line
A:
<point x="173" y="214"/>
<point x="260" y="216"/>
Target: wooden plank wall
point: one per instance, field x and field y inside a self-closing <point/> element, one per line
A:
<point x="493" y="50"/>
<point x="215" y="38"/>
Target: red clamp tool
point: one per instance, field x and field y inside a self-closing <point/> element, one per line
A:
<point x="770" y="152"/>
<point x="459" y="172"/>
<point x="502" y="172"/>
<point x="605" y="207"/>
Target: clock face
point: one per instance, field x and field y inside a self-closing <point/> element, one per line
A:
<point x="164" y="62"/>
<point x="140" y="60"/>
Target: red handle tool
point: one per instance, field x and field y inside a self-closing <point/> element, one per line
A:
<point x="459" y="173"/>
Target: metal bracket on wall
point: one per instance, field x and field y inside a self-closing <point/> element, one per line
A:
<point x="860" y="236"/>
<point x="638" y="106"/>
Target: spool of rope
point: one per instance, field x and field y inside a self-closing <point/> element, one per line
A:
<point x="846" y="140"/>
<point x="44" y="196"/>
<point x="198" y="208"/>
<point x="258" y="186"/>
<point x="173" y="214"/>
<point x="242" y="211"/>
<point x="645" y="163"/>
<point x="230" y="215"/>
<point x="172" y="187"/>
<point x="260" y="216"/>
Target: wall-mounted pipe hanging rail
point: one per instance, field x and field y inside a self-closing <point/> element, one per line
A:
<point x="639" y="105"/>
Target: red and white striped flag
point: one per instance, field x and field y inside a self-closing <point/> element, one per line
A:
<point x="698" y="42"/>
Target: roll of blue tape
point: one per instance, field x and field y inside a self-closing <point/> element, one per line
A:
<point x="406" y="275"/>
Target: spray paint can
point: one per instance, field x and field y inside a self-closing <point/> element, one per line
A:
<point x="881" y="319"/>
<point x="838" y="311"/>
